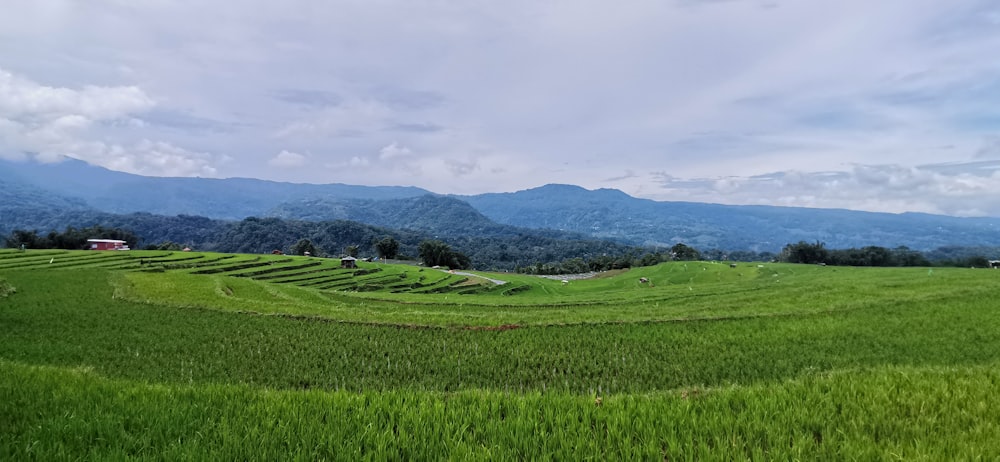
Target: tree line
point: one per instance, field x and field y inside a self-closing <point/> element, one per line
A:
<point x="526" y="252"/>
<point x="817" y="253"/>
<point x="322" y="239"/>
<point x="632" y="258"/>
<point x="70" y="239"/>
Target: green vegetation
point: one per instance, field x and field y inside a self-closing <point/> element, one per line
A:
<point x="304" y="247"/>
<point x="5" y="288"/>
<point x="70" y="238"/>
<point x="962" y="257"/>
<point x="387" y="247"/>
<point x="504" y="248"/>
<point x="198" y="355"/>
<point x="437" y="253"/>
<point x="890" y="413"/>
<point x="472" y="244"/>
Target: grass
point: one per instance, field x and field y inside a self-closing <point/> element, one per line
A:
<point x="720" y="293"/>
<point x="153" y="342"/>
<point x="107" y="357"/>
<point x="889" y="413"/>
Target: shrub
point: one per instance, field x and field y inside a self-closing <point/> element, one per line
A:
<point x="6" y="289"/>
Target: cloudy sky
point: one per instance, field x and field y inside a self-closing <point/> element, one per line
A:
<point x="889" y="105"/>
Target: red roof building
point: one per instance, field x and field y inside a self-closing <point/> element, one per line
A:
<point x="107" y="244"/>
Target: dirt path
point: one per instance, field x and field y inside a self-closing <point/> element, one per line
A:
<point x="569" y="277"/>
<point x="462" y="273"/>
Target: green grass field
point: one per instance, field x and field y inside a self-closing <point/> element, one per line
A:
<point x="174" y="355"/>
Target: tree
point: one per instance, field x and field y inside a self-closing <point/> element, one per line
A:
<point x="459" y="260"/>
<point x="649" y="259"/>
<point x="906" y="257"/>
<point x="437" y="253"/>
<point x="303" y="246"/>
<point x="387" y="247"/>
<point x="351" y="250"/>
<point x="165" y="245"/>
<point x="978" y="262"/>
<point x="683" y="252"/>
<point x="29" y="239"/>
<point x="434" y="253"/>
<point x="804" y="252"/>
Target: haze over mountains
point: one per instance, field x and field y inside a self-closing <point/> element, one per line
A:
<point x="33" y="193"/>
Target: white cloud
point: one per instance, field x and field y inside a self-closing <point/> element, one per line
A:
<point x="51" y="120"/>
<point x="394" y="151"/>
<point x="22" y="99"/>
<point x="505" y="95"/>
<point x="53" y="123"/>
<point x="952" y="189"/>
<point x="156" y="158"/>
<point x="287" y="159"/>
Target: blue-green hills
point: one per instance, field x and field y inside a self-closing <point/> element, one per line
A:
<point x="72" y="193"/>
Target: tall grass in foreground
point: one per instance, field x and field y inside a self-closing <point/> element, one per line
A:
<point x="930" y="413"/>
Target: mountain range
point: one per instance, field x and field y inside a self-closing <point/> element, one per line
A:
<point x="39" y="196"/>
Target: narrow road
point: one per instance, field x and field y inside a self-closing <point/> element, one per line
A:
<point x="462" y="273"/>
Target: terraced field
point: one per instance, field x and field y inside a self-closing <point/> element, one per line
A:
<point x="301" y="271"/>
<point x="181" y="355"/>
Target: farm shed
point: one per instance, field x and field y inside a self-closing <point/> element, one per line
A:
<point x="994" y="263"/>
<point x="348" y="262"/>
<point x="106" y="244"/>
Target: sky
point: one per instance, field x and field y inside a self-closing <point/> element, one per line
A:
<point x="889" y="105"/>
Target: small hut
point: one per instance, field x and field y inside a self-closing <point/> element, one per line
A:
<point x="348" y="262"/>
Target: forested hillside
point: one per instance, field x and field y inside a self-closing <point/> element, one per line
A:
<point x="23" y="203"/>
<point x="441" y="215"/>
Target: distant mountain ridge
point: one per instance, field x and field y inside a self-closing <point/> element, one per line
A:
<point x="231" y="198"/>
<point x="612" y="214"/>
<point x="431" y="213"/>
<point x="38" y="194"/>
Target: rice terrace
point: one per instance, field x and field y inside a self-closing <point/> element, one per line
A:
<point x="191" y="355"/>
